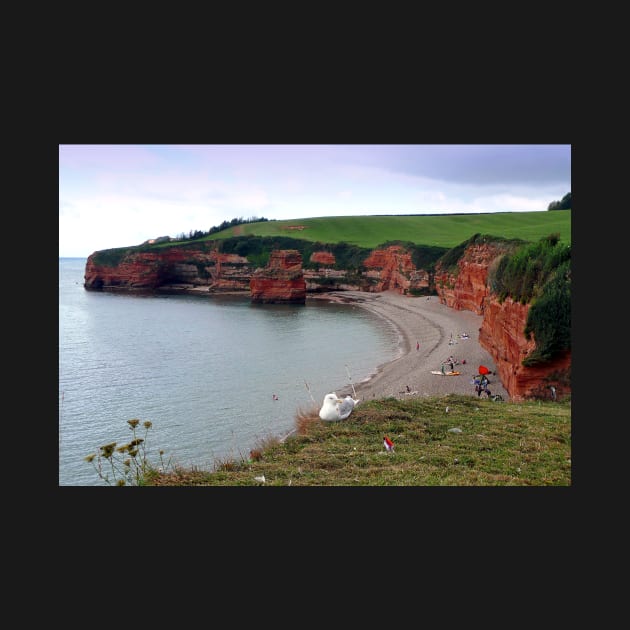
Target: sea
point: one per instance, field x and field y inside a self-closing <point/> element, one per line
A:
<point x="214" y="375"/>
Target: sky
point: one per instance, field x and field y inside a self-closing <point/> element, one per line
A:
<point x="120" y="195"/>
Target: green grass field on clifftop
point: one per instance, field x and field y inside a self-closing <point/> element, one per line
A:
<point x="447" y="230"/>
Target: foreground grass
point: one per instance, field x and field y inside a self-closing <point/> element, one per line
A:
<point x="500" y="444"/>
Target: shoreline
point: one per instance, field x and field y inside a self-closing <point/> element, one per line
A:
<point x="438" y="329"/>
<point x="418" y="319"/>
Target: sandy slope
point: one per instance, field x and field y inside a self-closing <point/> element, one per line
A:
<point x="431" y="324"/>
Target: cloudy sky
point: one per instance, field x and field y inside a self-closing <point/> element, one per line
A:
<point x="120" y="195"/>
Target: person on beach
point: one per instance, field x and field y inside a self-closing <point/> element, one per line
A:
<point x="442" y="368"/>
<point x="417" y="345"/>
<point x="452" y="362"/>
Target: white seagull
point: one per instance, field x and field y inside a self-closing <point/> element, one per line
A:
<point x="335" y="408"/>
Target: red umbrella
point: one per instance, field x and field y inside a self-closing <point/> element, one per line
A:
<point x="483" y="370"/>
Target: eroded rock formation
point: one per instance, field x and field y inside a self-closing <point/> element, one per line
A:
<point x="281" y="281"/>
<point x="467" y="289"/>
<point x="501" y="334"/>
<point x="170" y="268"/>
<point x="391" y="269"/>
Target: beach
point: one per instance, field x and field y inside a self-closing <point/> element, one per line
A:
<point x="439" y="330"/>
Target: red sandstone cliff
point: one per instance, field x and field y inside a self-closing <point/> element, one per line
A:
<point x="392" y="269"/>
<point x="501" y="332"/>
<point x="467" y="289"/>
<point x="169" y="267"/>
<point x="281" y="281"/>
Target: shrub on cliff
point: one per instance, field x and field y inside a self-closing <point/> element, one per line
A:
<point x="539" y="274"/>
<point x="522" y="274"/>
<point x="111" y="257"/>
<point x="448" y="262"/>
<point x="549" y="318"/>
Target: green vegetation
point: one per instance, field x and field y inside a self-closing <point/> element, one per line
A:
<point x="523" y="274"/>
<point x="443" y="231"/>
<point x="257" y="250"/>
<point x="430" y="234"/>
<point x="112" y="257"/>
<point x="563" y="204"/>
<point x="540" y="274"/>
<point x="450" y="259"/>
<point x="127" y="464"/>
<point x="549" y="318"/>
<point x="500" y="444"/>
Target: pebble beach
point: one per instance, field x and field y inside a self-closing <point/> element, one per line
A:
<point x="440" y="332"/>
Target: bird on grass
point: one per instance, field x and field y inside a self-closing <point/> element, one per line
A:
<point x="388" y="444"/>
<point x="335" y="408"/>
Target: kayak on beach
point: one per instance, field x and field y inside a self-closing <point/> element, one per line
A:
<point x="445" y="373"/>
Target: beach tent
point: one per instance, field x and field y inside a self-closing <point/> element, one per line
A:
<point x="483" y="370"/>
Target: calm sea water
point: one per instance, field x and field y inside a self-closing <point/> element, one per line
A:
<point x="203" y="370"/>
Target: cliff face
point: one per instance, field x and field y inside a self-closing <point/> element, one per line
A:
<point x="281" y="281"/>
<point x="389" y="269"/>
<point x="171" y="266"/>
<point x="467" y="289"/>
<point x="501" y="332"/>
<point x="392" y="269"/>
<point x="175" y="268"/>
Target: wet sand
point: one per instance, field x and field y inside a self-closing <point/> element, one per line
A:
<point x="438" y="330"/>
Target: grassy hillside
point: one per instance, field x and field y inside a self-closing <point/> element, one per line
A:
<point x="435" y="230"/>
<point x="476" y="443"/>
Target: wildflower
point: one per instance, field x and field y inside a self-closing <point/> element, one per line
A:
<point x="108" y="450"/>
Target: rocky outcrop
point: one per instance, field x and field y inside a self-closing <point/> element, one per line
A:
<point x="467" y="288"/>
<point x="501" y="334"/>
<point x="173" y="269"/>
<point x="281" y="281"/>
<point x="324" y="258"/>
<point x="168" y="268"/>
<point x="324" y="277"/>
<point x="391" y="269"/>
<point x="135" y="272"/>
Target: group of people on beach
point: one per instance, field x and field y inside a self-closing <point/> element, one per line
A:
<point x="481" y="383"/>
<point x="451" y="362"/>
